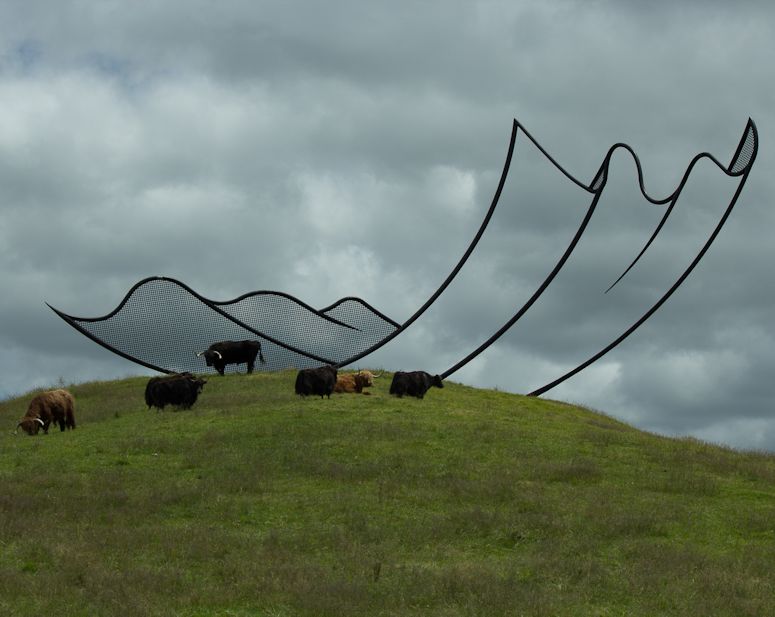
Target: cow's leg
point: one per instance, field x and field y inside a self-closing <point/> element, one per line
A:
<point x="251" y="364"/>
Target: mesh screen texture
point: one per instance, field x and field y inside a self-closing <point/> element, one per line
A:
<point x="163" y="324"/>
<point x="746" y="153"/>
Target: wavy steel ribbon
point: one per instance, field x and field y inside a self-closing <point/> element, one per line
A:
<point x="217" y="306"/>
<point x="399" y="328"/>
<point x="740" y="165"/>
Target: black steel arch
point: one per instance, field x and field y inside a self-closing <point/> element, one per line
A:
<point x="350" y="328"/>
<point x="379" y="331"/>
<point x="740" y="165"/>
<point x="460" y="263"/>
<point x="136" y="329"/>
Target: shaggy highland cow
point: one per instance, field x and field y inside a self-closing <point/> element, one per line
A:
<point x="316" y="381"/>
<point x="354" y="382"/>
<point x="414" y="383"/>
<point x="180" y="390"/>
<point x="53" y="406"/>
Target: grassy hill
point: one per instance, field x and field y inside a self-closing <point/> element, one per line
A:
<point x="470" y="502"/>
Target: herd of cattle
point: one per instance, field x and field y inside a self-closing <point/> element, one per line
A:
<point x="182" y="389"/>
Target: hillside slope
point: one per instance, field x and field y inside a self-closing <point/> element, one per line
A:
<point x="469" y="502"/>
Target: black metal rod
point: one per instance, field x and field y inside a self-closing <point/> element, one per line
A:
<point x="749" y="141"/>
<point x="750" y="130"/>
<point x="459" y="265"/>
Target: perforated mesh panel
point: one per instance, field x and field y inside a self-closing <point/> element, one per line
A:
<point x="162" y="324"/>
<point x="745" y="155"/>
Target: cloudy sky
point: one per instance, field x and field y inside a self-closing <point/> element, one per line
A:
<point x="350" y="148"/>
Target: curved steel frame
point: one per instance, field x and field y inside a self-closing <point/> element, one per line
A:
<point x="740" y="166"/>
<point x="460" y="263"/>
<point x="79" y="322"/>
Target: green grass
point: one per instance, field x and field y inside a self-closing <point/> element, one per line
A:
<point x="469" y="502"/>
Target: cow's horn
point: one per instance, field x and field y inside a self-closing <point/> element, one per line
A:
<point x="199" y="354"/>
<point x="219" y="354"/>
<point x="41" y="421"/>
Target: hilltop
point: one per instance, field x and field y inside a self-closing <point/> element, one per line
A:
<point x="469" y="502"/>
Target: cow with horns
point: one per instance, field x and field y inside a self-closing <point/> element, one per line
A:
<point x="354" y="382"/>
<point x="232" y="352"/>
<point x="55" y="406"/>
<point x="413" y="383"/>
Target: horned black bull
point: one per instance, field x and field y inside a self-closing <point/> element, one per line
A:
<point x="220" y="354"/>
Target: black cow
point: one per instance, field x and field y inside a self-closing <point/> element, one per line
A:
<point x="232" y="352"/>
<point x="413" y="383"/>
<point x="179" y="389"/>
<point x="316" y="381"/>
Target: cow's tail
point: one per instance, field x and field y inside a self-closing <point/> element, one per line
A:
<point x="260" y="355"/>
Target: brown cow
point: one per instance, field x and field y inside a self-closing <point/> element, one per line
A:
<point x="53" y="406"/>
<point x="354" y="382"/>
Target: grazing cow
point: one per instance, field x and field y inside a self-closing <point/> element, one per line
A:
<point x="316" y="381"/>
<point x="354" y="382"/>
<point x="414" y="383"/>
<point x="53" y="406"/>
<point x="232" y="352"/>
<point x="179" y="389"/>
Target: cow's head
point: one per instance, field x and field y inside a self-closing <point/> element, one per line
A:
<point x="31" y="426"/>
<point x="210" y="356"/>
<point x="367" y="378"/>
<point x="362" y="381"/>
<point x="436" y="381"/>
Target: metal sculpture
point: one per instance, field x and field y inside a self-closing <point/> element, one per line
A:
<point x="740" y="166"/>
<point x="161" y="322"/>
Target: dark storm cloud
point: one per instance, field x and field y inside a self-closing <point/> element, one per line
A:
<point x="346" y="148"/>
